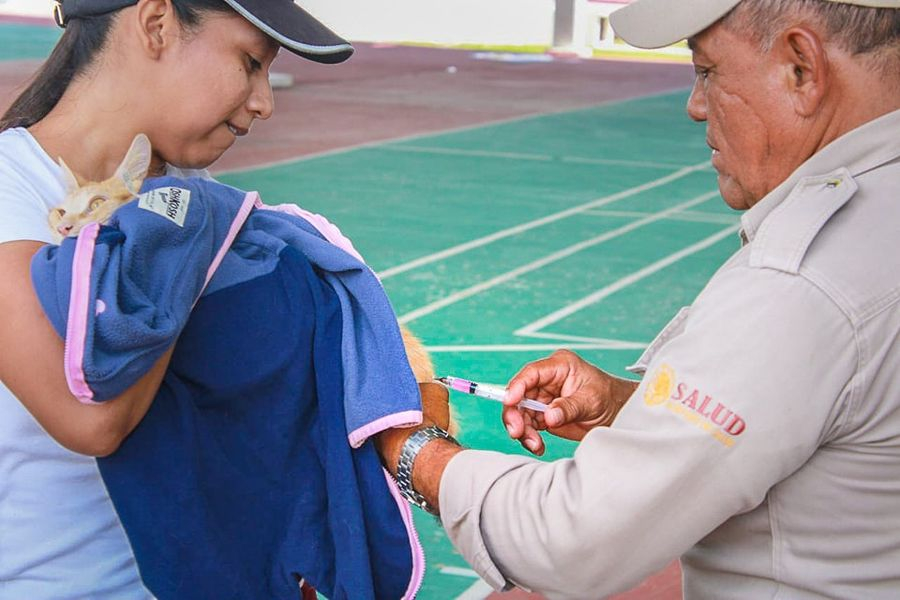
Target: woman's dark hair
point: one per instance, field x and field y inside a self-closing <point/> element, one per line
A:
<point x="82" y="41"/>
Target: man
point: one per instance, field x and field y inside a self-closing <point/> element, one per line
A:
<point x="763" y="444"/>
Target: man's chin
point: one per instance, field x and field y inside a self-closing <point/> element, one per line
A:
<point x="734" y="195"/>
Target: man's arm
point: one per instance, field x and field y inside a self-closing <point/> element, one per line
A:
<point x="582" y="397"/>
<point x="666" y="474"/>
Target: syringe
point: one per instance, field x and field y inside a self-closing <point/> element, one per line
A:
<point x="486" y="390"/>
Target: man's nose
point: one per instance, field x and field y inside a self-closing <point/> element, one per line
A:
<point x="696" y="106"/>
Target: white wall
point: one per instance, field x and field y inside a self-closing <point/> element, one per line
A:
<point x="28" y="8"/>
<point x="514" y="22"/>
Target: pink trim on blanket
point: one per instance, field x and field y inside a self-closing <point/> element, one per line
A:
<point x="325" y="227"/>
<point x="250" y="201"/>
<point x="402" y="419"/>
<point x="418" y="554"/>
<point x="407" y="418"/>
<point x="79" y="305"/>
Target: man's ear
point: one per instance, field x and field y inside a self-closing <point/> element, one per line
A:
<point x="157" y="22"/>
<point x="806" y="66"/>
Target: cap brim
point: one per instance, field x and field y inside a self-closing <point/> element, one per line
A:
<point x="658" y="23"/>
<point x="295" y="29"/>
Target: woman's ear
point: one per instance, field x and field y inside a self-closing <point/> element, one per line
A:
<point x="157" y="22"/>
<point x="806" y="66"/>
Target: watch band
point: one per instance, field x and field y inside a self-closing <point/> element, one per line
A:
<point x="408" y="453"/>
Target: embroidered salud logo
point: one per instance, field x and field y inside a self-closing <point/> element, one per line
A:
<point x="171" y="203"/>
<point x="696" y="407"/>
<point x="660" y="387"/>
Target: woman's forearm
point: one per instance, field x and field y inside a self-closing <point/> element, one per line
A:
<point x="31" y="366"/>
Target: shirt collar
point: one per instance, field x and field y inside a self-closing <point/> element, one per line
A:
<point x="862" y="149"/>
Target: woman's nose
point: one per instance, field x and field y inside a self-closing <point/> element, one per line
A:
<point x="262" y="99"/>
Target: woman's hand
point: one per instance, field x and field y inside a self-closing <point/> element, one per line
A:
<point x="581" y="397"/>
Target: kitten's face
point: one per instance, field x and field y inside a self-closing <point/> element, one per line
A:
<point x="94" y="202"/>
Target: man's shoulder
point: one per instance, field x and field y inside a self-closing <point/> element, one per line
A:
<point x="839" y="231"/>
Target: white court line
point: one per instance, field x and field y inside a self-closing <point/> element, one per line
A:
<point x="459" y="572"/>
<point x="491" y="348"/>
<point x="621" y="162"/>
<point x="687" y="216"/>
<point x="477" y="591"/>
<point x="549" y="259"/>
<point x="504" y="233"/>
<point x="425" y="134"/>
<point x="535" y="157"/>
<point x="462" y="152"/>
<point x="580" y="339"/>
<point x="533" y="329"/>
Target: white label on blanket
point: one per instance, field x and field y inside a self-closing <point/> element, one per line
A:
<point x="169" y="202"/>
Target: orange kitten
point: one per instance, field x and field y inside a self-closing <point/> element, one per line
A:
<point x="94" y="202"/>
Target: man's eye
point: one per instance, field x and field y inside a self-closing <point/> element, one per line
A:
<point x="255" y="65"/>
<point x="701" y="72"/>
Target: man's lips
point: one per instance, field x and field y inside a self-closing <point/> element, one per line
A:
<point x="715" y="151"/>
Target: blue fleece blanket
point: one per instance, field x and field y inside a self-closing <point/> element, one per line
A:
<point x="241" y="477"/>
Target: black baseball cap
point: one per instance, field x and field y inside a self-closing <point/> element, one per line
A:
<point x="282" y="20"/>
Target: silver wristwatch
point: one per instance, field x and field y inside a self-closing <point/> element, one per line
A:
<point x="408" y="453"/>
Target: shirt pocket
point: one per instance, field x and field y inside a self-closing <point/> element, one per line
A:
<point x="672" y="329"/>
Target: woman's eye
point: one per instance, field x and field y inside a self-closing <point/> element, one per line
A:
<point x="255" y="65"/>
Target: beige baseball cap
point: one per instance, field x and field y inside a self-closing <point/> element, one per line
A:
<point x="658" y="23"/>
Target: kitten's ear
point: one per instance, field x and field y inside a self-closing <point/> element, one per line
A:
<point x="134" y="167"/>
<point x="70" y="179"/>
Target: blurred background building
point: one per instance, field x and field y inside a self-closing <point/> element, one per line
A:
<point x="576" y="26"/>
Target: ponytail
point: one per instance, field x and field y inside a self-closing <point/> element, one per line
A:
<point x="75" y="52"/>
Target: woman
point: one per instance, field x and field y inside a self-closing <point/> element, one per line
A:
<point x="193" y="76"/>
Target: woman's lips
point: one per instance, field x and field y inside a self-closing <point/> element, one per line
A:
<point x="237" y="131"/>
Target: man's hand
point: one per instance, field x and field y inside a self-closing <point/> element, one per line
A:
<point x="581" y="397"/>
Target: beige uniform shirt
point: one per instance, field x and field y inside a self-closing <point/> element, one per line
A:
<point x="763" y="444"/>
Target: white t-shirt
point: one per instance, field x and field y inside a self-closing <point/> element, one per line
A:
<point x="60" y="537"/>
